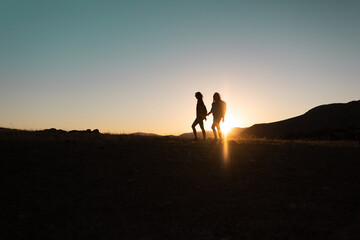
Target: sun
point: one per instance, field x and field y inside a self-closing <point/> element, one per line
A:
<point x="229" y="123"/>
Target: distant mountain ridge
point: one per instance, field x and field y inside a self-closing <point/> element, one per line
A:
<point x="337" y="121"/>
<point x="143" y="134"/>
<point x="332" y="121"/>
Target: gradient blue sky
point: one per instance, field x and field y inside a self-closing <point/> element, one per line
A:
<point x="128" y="66"/>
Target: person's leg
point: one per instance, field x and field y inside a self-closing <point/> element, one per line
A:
<point x="214" y="130"/>
<point x="216" y="125"/>
<point x="219" y="130"/>
<point x="193" y="127"/>
<point x="201" y="123"/>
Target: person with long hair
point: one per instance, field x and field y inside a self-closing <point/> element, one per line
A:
<point x="200" y="115"/>
<point x="218" y="109"/>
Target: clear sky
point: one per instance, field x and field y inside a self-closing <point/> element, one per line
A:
<point x="128" y="66"/>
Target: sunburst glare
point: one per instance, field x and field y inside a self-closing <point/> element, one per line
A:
<point x="229" y="123"/>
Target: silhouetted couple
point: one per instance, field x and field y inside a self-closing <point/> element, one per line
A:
<point x="218" y="110"/>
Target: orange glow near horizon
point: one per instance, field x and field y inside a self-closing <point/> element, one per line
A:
<point x="229" y="123"/>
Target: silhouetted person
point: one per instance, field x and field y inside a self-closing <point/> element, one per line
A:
<point x="200" y="115"/>
<point x="218" y="109"/>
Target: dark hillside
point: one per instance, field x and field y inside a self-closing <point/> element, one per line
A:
<point x="333" y="121"/>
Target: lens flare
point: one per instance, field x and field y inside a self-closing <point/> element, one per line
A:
<point x="229" y="123"/>
<point x="226" y="126"/>
<point x="225" y="151"/>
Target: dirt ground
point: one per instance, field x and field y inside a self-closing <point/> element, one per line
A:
<point x="127" y="187"/>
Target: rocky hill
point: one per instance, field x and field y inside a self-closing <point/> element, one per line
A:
<point x="333" y="121"/>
